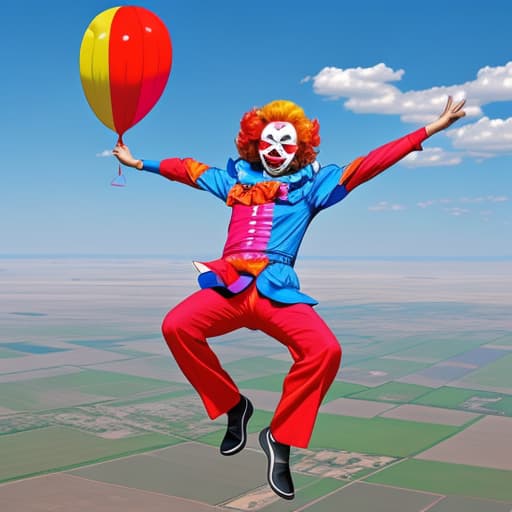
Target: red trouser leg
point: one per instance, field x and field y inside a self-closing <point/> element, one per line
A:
<point x="185" y="328"/>
<point x="314" y="348"/>
<point x="317" y="355"/>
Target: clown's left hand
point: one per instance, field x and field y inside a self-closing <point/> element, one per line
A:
<point x="451" y="113"/>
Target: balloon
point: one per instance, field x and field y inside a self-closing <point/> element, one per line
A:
<point x="125" y="61"/>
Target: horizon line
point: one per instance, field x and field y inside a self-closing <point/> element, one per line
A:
<point x="469" y="258"/>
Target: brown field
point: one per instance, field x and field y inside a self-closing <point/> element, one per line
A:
<point x="362" y="497"/>
<point x="354" y="407"/>
<point x="485" y="443"/>
<point x="421" y="380"/>
<point x="261" y="399"/>
<point x="77" y="356"/>
<point x="460" y="504"/>
<point x="38" y="374"/>
<point x="364" y="377"/>
<point x="188" y="470"/>
<point x="426" y="414"/>
<point x="254" y="500"/>
<point x="72" y="493"/>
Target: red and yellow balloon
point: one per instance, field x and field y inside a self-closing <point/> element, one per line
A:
<point x="125" y="61"/>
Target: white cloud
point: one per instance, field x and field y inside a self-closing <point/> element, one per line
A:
<point x="430" y="157"/>
<point x="384" y="206"/>
<point x="457" y="212"/>
<point x="483" y="199"/>
<point x="460" y="208"/>
<point x="105" y="152"/>
<point x="357" y="82"/>
<point x="463" y="200"/>
<point x="426" y="204"/>
<point x="369" y="90"/>
<point x="486" y="137"/>
<point x="492" y="84"/>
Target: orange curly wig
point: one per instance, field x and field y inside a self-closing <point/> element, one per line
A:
<point x="253" y="122"/>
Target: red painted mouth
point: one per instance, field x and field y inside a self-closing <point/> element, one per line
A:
<point x="274" y="161"/>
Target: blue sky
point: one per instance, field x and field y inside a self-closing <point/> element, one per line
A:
<point x="367" y="71"/>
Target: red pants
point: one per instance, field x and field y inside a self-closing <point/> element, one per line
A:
<point x="312" y="345"/>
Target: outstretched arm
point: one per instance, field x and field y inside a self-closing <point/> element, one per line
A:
<point x="365" y="168"/>
<point x="187" y="171"/>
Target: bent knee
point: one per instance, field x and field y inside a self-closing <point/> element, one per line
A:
<point x="333" y="351"/>
<point x="327" y="349"/>
<point x="172" y="324"/>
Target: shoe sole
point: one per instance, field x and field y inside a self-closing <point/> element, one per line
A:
<point x="246" y="416"/>
<point x="267" y="448"/>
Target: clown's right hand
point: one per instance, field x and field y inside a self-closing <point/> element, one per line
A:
<point x="122" y="153"/>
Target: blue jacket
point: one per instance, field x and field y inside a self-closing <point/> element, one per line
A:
<point x="270" y="215"/>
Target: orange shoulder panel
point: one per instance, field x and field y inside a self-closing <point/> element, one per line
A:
<point x="194" y="168"/>
<point x="350" y="169"/>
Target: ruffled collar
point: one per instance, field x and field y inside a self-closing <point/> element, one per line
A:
<point x="246" y="175"/>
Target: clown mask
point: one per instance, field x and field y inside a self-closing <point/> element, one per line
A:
<point x="277" y="147"/>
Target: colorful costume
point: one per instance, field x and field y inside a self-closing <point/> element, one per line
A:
<point x="254" y="285"/>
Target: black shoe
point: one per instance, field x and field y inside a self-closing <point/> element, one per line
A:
<point x="278" y="469"/>
<point x="236" y="434"/>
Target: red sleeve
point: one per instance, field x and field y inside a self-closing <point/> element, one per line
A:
<point x="366" y="168"/>
<point x="185" y="171"/>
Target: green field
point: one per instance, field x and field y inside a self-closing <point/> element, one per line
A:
<point x="377" y="436"/>
<point x="460" y="398"/>
<point x="54" y="448"/>
<point x="180" y="390"/>
<point x="495" y="374"/>
<point x="340" y="389"/>
<point x="396" y="392"/>
<point x="256" y="367"/>
<point x="444" y="478"/>
<point x="448" y="397"/>
<point x="60" y="391"/>
<point x="275" y="383"/>
<point x="267" y="383"/>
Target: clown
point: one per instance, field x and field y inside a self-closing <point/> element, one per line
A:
<point x="274" y="189"/>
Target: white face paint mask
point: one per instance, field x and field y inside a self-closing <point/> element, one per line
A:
<point x="277" y="147"/>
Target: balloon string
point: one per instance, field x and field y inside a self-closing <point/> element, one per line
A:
<point x="120" y="143"/>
